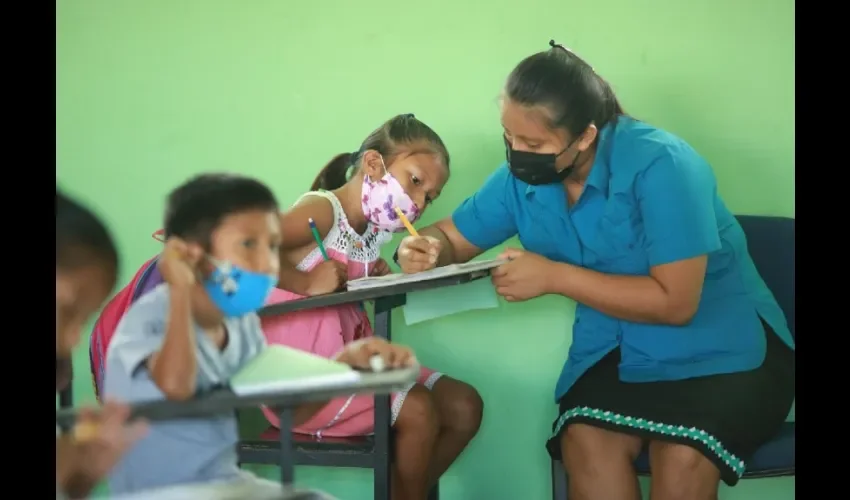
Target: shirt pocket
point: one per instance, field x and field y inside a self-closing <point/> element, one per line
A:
<point x="618" y="245"/>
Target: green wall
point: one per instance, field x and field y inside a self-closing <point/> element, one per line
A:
<point x="149" y="92"/>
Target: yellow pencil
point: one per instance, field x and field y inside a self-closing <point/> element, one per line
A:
<point x="407" y="224"/>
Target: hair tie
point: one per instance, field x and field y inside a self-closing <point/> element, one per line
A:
<point x="556" y="45"/>
<point x="410" y="115"/>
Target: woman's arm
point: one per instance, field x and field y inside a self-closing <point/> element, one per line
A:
<point x="669" y="295"/>
<point x="676" y="197"/>
<point x="481" y="222"/>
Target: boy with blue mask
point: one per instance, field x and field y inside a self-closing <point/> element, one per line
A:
<point x="197" y="330"/>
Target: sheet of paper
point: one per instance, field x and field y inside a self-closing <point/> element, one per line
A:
<point x="281" y="368"/>
<point x="431" y="304"/>
<point x="436" y="273"/>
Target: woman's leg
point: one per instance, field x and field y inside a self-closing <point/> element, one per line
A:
<point x="680" y="472"/>
<point x="600" y="463"/>
<point x="460" y="409"/>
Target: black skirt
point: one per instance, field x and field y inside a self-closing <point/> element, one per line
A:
<point x="725" y="417"/>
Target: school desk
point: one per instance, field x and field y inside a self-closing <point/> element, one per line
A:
<point x="371" y="453"/>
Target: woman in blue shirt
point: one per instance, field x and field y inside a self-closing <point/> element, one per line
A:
<point x="677" y="342"/>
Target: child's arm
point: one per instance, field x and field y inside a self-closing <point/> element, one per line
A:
<point x="173" y="367"/>
<point x="84" y="458"/>
<point x="296" y="233"/>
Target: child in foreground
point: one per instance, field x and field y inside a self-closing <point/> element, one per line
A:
<point x="86" y="269"/>
<point x="199" y="328"/>
<point x="403" y="164"/>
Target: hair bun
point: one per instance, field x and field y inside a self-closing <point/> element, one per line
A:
<point x="410" y="115"/>
<point x="552" y="44"/>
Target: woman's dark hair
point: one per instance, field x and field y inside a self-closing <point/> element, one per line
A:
<point x="401" y="133"/>
<point x="567" y="86"/>
<point x="81" y="238"/>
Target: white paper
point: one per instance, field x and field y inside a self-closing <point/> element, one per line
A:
<point x="431" y="274"/>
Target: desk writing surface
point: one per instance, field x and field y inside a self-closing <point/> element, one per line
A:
<point x="224" y="399"/>
<point x="437" y="273"/>
<point x="348" y="297"/>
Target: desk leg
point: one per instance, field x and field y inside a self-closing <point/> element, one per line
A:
<point x="383" y="445"/>
<point x="287" y="449"/>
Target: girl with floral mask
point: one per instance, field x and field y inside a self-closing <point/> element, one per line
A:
<point x="403" y="164"/>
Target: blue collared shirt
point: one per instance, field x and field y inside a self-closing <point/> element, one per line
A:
<point x="649" y="200"/>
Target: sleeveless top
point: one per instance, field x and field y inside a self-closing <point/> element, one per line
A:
<point x="344" y="244"/>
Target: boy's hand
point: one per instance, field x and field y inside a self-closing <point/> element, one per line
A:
<point x="99" y="440"/>
<point x="327" y="277"/>
<point x="179" y="262"/>
<point x="359" y="353"/>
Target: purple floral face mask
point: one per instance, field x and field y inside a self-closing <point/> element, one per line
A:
<point x="380" y="198"/>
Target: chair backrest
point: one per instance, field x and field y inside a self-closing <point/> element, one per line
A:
<point x="770" y="241"/>
<point x="65" y="379"/>
<point x="146" y="279"/>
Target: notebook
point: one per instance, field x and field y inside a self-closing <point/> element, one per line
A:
<point x="280" y="369"/>
<point x="483" y="266"/>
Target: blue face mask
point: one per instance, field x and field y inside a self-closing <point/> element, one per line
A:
<point x="236" y="291"/>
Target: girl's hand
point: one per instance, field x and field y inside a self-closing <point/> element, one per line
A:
<point x="380" y="268"/>
<point x="526" y="276"/>
<point x="359" y="353"/>
<point x="327" y="277"/>
<point x="418" y="253"/>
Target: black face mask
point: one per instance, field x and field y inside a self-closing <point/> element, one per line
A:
<point x="537" y="169"/>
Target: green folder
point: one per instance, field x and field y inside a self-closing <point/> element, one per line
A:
<point x="284" y="369"/>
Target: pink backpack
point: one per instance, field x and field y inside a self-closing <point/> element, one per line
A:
<point x="145" y="279"/>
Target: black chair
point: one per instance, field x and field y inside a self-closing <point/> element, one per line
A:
<point x="261" y="443"/>
<point x="770" y="241"/>
<point x="66" y="395"/>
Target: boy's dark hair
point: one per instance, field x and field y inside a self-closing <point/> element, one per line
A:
<point x="400" y="134"/>
<point x="81" y="238"/>
<point x="199" y="205"/>
<point x="567" y="86"/>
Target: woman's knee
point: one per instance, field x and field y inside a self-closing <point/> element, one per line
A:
<point x="460" y="405"/>
<point x="418" y="412"/>
<point x="584" y="445"/>
<point x="681" y="472"/>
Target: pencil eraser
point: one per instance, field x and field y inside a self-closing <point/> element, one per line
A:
<point x="376" y="363"/>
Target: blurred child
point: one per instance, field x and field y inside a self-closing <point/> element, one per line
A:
<point x="401" y="164"/>
<point x="86" y="269"/>
<point x="196" y="330"/>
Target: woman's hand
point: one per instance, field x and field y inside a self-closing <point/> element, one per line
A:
<point x="327" y="277"/>
<point x="99" y="440"/>
<point x="418" y="253"/>
<point x="526" y="275"/>
<point x="359" y="354"/>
